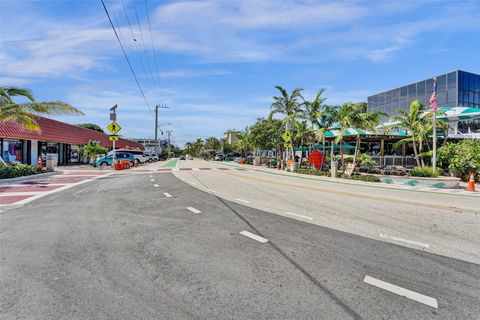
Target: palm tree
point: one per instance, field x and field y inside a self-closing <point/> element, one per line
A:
<point x="289" y="106"/>
<point x="24" y="114"/>
<point x="328" y="116"/>
<point x="418" y="124"/>
<point x="355" y="115"/>
<point x="301" y="130"/>
<point x="92" y="149"/>
<point x="312" y="112"/>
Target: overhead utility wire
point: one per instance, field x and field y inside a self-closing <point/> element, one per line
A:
<point x="151" y="40"/>
<point x="137" y="50"/>
<point x="143" y="41"/>
<point x="126" y="57"/>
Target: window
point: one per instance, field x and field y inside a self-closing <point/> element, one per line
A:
<point x="403" y="92"/>
<point x="12" y="151"/>
<point x="451" y="80"/>
<point x="421" y="88"/>
<point x="412" y="92"/>
<point x="441" y="83"/>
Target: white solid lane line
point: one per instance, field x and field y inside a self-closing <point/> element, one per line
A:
<point x="420" y="244"/>
<point x="152" y="180"/>
<point x="156" y="186"/>
<point x="166" y="194"/>
<point x="254" y="236"/>
<point x="80" y="191"/>
<point x="429" y="301"/>
<point x="193" y="210"/>
<point x="301" y="216"/>
<point x="241" y="200"/>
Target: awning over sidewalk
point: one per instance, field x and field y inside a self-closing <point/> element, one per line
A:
<point x="448" y="114"/>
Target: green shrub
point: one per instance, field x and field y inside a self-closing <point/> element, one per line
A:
<point x="314" y="172"/>
<point x="18" y="170"/>
<point x="361" y="177"/>
<point x="425" y="172"/>
<point x="463" y="156"/>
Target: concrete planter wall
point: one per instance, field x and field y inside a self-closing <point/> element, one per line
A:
<point x="440" y="182"/>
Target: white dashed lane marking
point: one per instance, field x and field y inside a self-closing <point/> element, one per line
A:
<point x="152" y="180"/>
<point x="254" y="236"/>
<point x="420" y="244"/>
<point x="166" y="194"/>
<point x="429" y="301"/>
<point x="241" y="200"/>
<point x="301" y="216"/>
<point x="156" y="186"/>
<point x="192" y="209"/>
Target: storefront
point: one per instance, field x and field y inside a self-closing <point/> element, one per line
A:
<point x="56" y="139"/>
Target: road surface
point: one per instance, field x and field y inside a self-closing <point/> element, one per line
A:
<point x="149" y="245"/>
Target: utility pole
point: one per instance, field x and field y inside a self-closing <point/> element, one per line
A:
<point x="156" y="125"/>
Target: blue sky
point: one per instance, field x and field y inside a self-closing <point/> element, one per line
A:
<point x="218" y="61"/>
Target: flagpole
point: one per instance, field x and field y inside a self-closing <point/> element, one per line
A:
<point x="434" y="126"/>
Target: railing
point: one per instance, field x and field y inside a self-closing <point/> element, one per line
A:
<point x="407" y="161"/>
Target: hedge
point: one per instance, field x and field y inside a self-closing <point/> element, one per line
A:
<point x="19" y="170"/>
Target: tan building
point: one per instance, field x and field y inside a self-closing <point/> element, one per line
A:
<point x="231" y="135"/>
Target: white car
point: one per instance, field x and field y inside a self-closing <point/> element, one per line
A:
<point x="150" y="157"/>
<point x="137" y="154"/>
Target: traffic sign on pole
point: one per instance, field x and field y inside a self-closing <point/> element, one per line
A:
<point x="114" y="127"/>
<point x="113" y="138"/>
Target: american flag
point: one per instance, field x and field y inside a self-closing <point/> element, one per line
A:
<point x="433" y="98"/>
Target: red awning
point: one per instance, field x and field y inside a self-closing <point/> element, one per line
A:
<point x="61" y="132"/>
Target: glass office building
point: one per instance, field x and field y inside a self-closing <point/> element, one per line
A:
<point x="454" y="89"/>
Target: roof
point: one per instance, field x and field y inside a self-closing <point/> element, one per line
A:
<point x="61" y="132"/>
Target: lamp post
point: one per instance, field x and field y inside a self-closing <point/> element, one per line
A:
<point x="156" y="125"/>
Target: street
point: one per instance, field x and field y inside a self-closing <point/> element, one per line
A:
<point x="209" y="241"/>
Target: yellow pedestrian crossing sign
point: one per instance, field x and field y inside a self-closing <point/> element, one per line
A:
<point x="113" y="138"/>
<point x="287" y="136"/>
<point x="114" y="127"/>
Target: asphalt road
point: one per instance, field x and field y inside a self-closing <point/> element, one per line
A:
<point x="122" y="249"/>
<point x="445" y="224"/>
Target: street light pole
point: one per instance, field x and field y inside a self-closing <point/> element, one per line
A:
<point x="156" y="125"/>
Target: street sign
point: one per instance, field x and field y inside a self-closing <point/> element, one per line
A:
<point x="287" y="136"/>
<point x="113" y="138"/>
<point x="114" y="127"/>
<point x="287" y="145"/>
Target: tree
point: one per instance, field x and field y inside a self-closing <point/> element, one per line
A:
<point x="312" y="112"/>
<point x="289" y="106"/>
<point x="416" y="122"/>
<point x="328" y="116"/>
<point x="212" y="143"/>
<point x="355" y="115"/>
<point x="266" y="134"/>
<point x="92" y="149"/>
<point x="24" y="113"/>
<point x="301" y="130"/>
<point x="91" y="126"/>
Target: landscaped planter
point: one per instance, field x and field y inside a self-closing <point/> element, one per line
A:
<point x="440" y="182"/>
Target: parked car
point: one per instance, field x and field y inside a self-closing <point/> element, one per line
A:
<point x="150" y="157"/>
<point x="108" y="159"/>
<point x="189" y="157"/>
<point x="182" y="157"/>
<point x="137" y="154"/>
<point x="219" y="157"/>
<point x="162" y="157"/>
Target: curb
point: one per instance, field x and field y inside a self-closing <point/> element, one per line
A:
<point x="30" y="177"/>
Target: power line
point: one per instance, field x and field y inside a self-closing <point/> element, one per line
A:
<point x="126" y="57"/>
<point x="143" y="41"/>
<point x="151" y="40"/>
<point x="136" y="46"/>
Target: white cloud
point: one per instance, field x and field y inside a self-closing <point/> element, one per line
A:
<point x="185" y="73"/>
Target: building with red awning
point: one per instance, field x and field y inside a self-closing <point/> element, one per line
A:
<point x="23" y="146"/>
